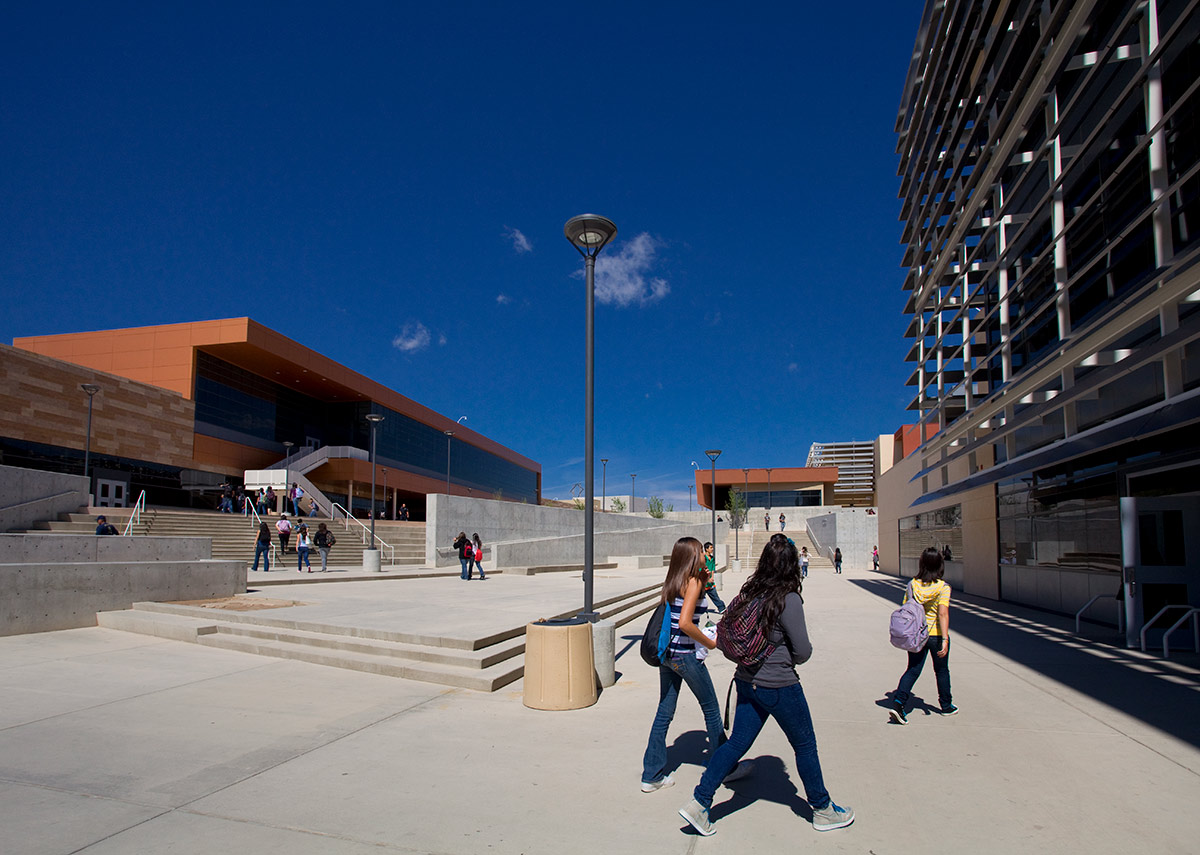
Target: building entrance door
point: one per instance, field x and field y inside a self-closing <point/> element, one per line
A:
<point x="1160" y="562"/>
<point x="111" y="494"/>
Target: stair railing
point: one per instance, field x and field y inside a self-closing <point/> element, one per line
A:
<point x="136" y="516"/>
<point x="1087" y="605"/>
<point x="1193" y="615"/>
<point x="366" y="532"/>
<point x="1146" y="626"/>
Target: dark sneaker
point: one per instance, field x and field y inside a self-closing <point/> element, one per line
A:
<point x="741" y="770"/>
<point x="697" y="815"/>
<point x="832" y="816"/>
<point x="949" y="709"/>
<point x="897" y="715"/>
<point x="661" y="784"/>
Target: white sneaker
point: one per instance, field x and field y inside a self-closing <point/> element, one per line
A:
<point x="741" y="770"/>
<point x="697" y="816"/>
<point x="661" y="784"/>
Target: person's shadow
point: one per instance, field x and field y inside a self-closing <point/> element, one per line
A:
<point x="770" y="782"/>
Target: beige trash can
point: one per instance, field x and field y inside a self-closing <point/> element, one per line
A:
<point x="559" y="671"/>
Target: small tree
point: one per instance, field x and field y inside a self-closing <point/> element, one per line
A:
<point x="655" y="507"/>
<point x="735" y="505"/>
<point x="618" y="506"/>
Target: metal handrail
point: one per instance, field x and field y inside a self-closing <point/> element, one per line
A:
<point x="366" y="531"/>
<point x="136" y="516"/>
<point x="1088" y="604"/>
<point x="1158" y="614"/>
<point x="1194" y="614"/>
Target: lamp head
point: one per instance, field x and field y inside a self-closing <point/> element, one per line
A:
<point x="589" y="233"/>
<point x="374" y="418"/>
<point x="90" y="388"/>
<point x="713" y="454"/>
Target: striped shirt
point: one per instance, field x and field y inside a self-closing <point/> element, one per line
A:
<point x="681" y="643"/>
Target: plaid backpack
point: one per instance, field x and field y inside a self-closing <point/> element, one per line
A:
<point x="744" y="639"/>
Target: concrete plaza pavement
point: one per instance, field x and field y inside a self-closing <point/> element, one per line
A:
<point x="118" y="743"/>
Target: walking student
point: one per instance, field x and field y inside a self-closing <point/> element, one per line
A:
<point x="710" y="584"/>
<point x="683" y="591"/>
<point x="324" y="541"/>
<point x="262" y="546"/>
<point x="302" y="546"/>
<point x="932" y="592"/>
<point x="477" y="554"/>
<point x="285" y="531"/>
<point x="771" y="689"/>
<point x="803" y="562"/>
<point x="782" y="522"/>
<point x="767" y="522"/>
<point x="837" y="560"/>
<point x="462" y="543"/>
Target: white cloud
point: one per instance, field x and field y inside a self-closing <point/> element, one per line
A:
<point x="441" y="339"/>
<point x="621" y="277"/>
<point x="503" y="299"/>
<point x="413" y="336"/>
<point x="520" y="243"/>
<point x="793" y="367"/>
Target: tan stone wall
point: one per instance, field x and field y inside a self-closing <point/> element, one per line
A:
<point x="40" y="401"/>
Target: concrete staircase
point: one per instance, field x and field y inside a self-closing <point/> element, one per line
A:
<point x="233" y="535"/>
<point x="484" y="664"/>
<point x="758" y="540"/>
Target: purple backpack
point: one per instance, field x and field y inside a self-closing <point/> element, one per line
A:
<point x="908" y="628"/>
<point x="744" y="638"/>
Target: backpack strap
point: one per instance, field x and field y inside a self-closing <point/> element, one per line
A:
<point x="728" y="695"/>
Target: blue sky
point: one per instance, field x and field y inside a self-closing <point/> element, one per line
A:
<point x="387" y="183"/>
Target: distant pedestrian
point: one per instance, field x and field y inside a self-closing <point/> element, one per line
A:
<point x="771" y="690"/>
<point x="837" y="560"/>
<point x="271" y="499"/>
<point x="302" y="546"/>
<point x="104" y="527"/>
<point x="767" y="522"/>
<point x="324" y="541"/>
<point x="932" y="592"/>
<point x="297" y="495"/>
<point x="683" y="591"/>
<point x="710" y="584"/>
<point x="477" y="554"/>
<point x="312" y="507"/>
<point x="403" y="511"/>
<point x="803" y="562"/>
<point x="260" y="502"/>
<point x="285" y="531"/>
<point x="782" y="522"/>
<point x="262" y="547"/>
<point x="875" y="559"/>
<point x="461" y="544"/>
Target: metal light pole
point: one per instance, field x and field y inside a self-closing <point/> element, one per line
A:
<point x="287" y="460"/>
<point x="737" y="547"/>
<point x="632" y="494"/>
<point x="385" y="495"/>
<point x="713" y="454"/>
<point x="374" y="419"/>
<point x="449" y="433"/>
<point x="91" y="389"/>
<point x="768" y="489"/>
<point x="603" y="476"/>
<point x="690" y="488"/>
<point x="589" y="234"/>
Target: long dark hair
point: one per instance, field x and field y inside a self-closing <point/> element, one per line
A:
<point x="687" y="562"/>
<point x="264" y="533"/>
<point x="931" y="565"/>
<point x="777" y="575"/>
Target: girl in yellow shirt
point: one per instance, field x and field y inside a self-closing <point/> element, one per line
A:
<point x="932" y="592"/>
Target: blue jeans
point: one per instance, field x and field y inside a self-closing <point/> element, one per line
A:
<point x="478" y="565"/>
<point x="754" y="706"/>
<point x="263" y="549"/>
<point x="466" y="567"/>
<point x="941" y="671"/>
<point x="671" y="674"/>
<point x="302" y="557"/>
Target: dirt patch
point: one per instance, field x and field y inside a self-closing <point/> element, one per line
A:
<point x="241" y="604"/>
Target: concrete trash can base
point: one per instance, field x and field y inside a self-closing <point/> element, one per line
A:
<point x="559" y="670"/>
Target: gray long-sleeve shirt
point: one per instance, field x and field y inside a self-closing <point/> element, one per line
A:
<point x="794" y="648"/>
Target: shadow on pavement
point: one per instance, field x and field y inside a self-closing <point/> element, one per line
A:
<point x="1158" y="692"/>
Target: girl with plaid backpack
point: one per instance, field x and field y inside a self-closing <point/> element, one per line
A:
<point x="767" y="649"/>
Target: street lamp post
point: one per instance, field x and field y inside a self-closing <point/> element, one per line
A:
<point x="768" y="489"/>
<point x="713" y="454"/>
<point x="385" y="495"/>
<point x="374" y="419"/>
<point x="690" y="488"/>
<point x="737" y="547"/>
<point x="589" y="234"/>
<point x="603" y="490"/>
<point x="287" y="444"/>
<point x="449" y="433"/>
<point x="91" y="389"/>
<point x="632" y="494"/>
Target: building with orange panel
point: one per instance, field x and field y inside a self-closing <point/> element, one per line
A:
<point x="776" y="487"/>
<point x="255" y="399"/>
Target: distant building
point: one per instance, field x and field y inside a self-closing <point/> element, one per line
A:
<point x="855" y="462"/>
<point x="1051" y="209"/>
<point x="185" y="407"/>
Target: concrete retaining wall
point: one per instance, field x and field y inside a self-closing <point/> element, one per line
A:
<point x="569" y="550"/>
<point x="499" y="522"/>
<point x="60" y="581"/>
<point x="852" y="530"/>
<point x="30" y="495"/>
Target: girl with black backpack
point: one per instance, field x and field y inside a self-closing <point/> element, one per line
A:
<point x="770" y="688"/>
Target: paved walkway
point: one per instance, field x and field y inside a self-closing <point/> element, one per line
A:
<point x="117" y="743"/>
